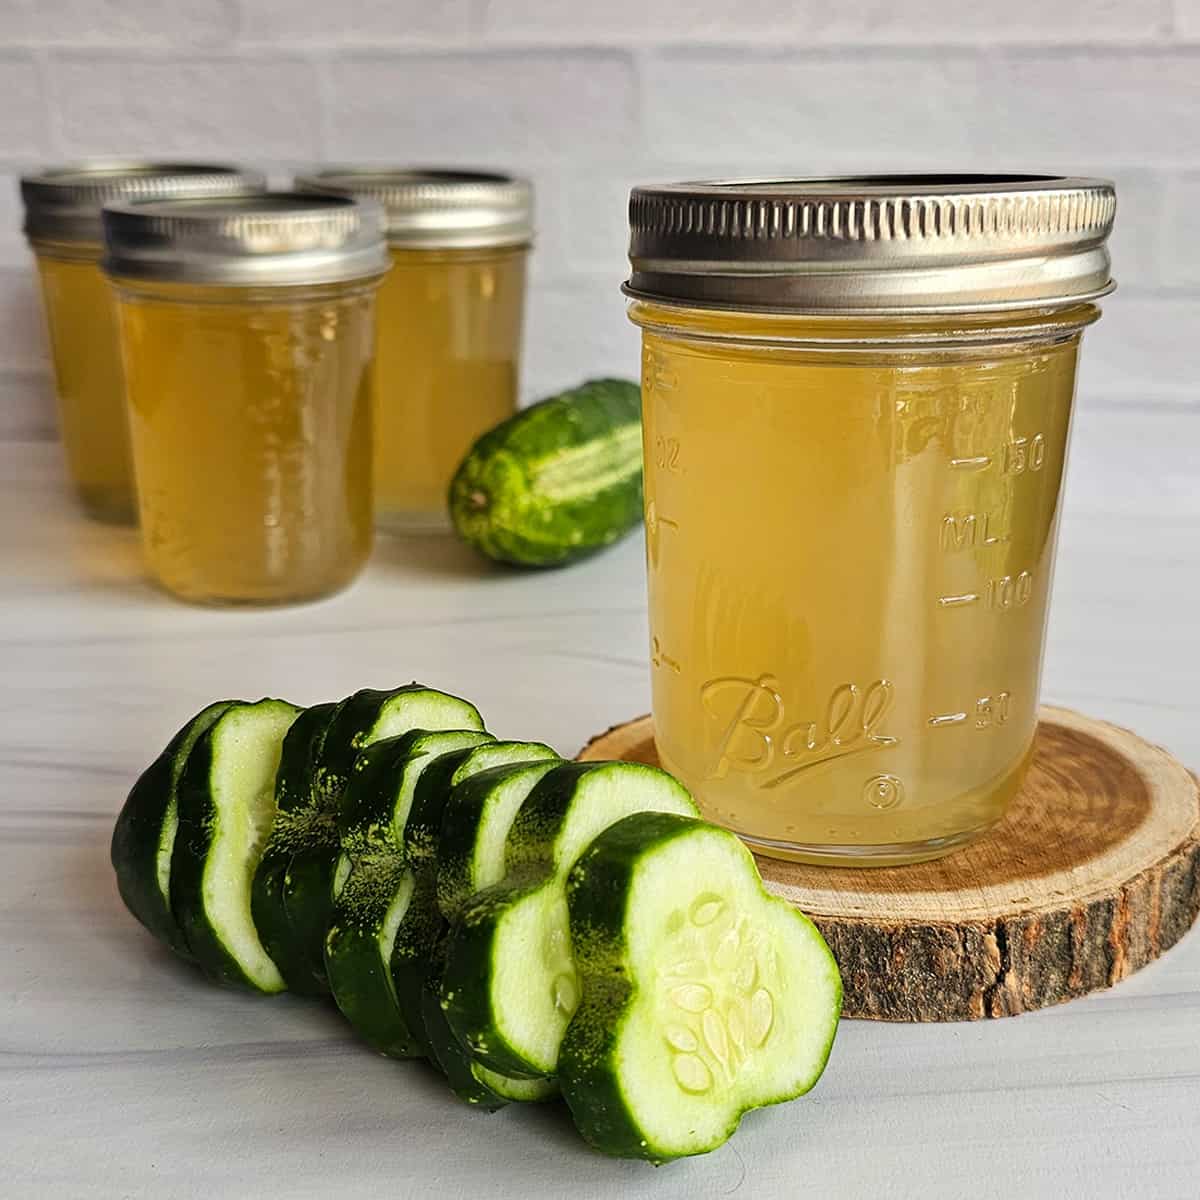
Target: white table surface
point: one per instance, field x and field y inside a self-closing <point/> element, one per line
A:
<point x="123" y="1074"/>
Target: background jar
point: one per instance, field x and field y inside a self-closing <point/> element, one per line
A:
<point x="450" y="318"/>
<point x="857" y="396"/>
<point x="63" y="224"/>
<point x="247" y="330"/>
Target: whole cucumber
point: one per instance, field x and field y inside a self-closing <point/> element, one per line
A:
<point x="557" y="481"/>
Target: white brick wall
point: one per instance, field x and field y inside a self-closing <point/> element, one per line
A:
<point x="590" y="97"/>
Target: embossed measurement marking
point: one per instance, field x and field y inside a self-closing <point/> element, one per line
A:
<point x="666" y="453"/>
<point x="965" y="531"/>
<point x="992" y="710"/>
<point x="654" y="521"/>
<point x="958" y="601"/>
<point x="655" y="524"/>
<point x="989" y="711"/>
<point x="1024" y="454"/>
<point x="942" y="719"/>
<point x="659" y="658"/>
<point x="976" y="462"/>
<point x="656" y="374"/>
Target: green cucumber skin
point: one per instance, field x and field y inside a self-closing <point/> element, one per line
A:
<point x="588" y="1059"/>
<point x="533" y="842"/>
<point x="469" y="962"/>
<point x="358" y="971"/>
<point x="465" y="808"/>
<point x="197" y="817"/>
<point x="307" y="888"/>
<point x="421" y="931"/>
<point x="424" y="926"/>
<point x="361" y="980"/>
<point x="466" y="1078"/>
<point x="138" y="832"/>
<point x="352" y="728"/>
<point x="447" y="1053"/>
<point x="557" y="481"/>
<point x="598" y="889"/>
<point x="308" y="884"/>
<point x="372" y="787"/>
<point x="533" y="851"/>
<point x="293" y="799"/>
<point x="422" y="837"/>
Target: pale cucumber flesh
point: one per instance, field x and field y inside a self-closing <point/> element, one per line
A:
<point x="724" y="997"/>
<point x="529" y="980"/>
<point x="245" y="755"/>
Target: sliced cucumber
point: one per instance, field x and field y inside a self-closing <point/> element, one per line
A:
<point x="144" y="836"/>
<point x="703" y="996"/>
<point x="509" y="987"/>
<point x="476" y="821"/>
<point x="367" y="716"/>
<point x="470" y="1080"/>
<point x="293" y="800"/>
<point x="226" y="800"/>
<point x="373" y="885"/>
<point x="423" y="926"/>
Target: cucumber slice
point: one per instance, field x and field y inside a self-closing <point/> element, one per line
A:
<point x="144" y="836"/>
<point x="367" y="716"/>
<point x="293" y="792"/>
<point x="226" y="801"/>
<point x="478" y="815"/>
<point x="423" y="926"/>
<point x="470" y="1080"/>
<point x="374" y="887"/>
<point x="703" y="996"/>
<point x="509" y="987"/>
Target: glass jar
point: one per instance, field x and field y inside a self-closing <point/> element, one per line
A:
<point x="450" y="316"/>
<point x="62" y="222"/>
<point x="857" y="396"/>
<point x="247" y="329"/>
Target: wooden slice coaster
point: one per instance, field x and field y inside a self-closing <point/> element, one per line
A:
<point x="1094" y="872"/>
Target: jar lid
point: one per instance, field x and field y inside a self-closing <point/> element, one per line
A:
<point x="873" y="244"/>
<point x="269" y="239"/>
<point x="64" y="203"/>
<point x="431" y="209"/>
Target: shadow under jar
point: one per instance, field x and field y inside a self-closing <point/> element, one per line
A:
<point x="247" y="330"/>
<point x="63" y="225"/>
<point x="450" y="317"/>
<point x="857" y="395"/>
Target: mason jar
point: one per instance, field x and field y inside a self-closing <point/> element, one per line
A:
<point x="62" y="223"/>
<point x="857" y="397"/>
<point x="450" y="317"/>
<point x="247" y="328"/>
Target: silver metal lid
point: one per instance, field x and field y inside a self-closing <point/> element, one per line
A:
<point x="64" y="203"/>
<point x="270" y="239"/>
<point x="873" y="244"/>
<point x="431" y="209"/>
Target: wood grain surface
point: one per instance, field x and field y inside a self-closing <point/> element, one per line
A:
<point x="1093" y="873"/>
